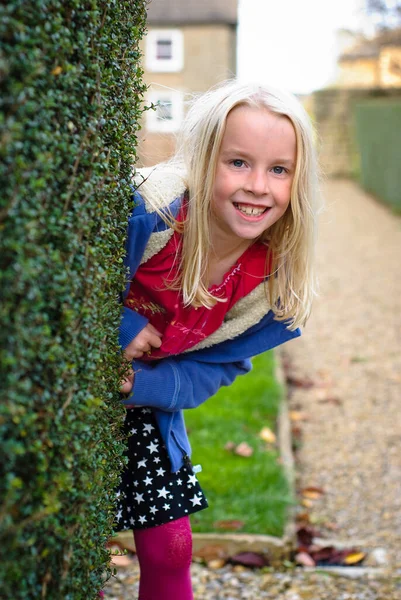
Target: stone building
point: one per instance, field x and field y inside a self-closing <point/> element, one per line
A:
<point x="190" y="46"/>
<point x="374" y="63"/>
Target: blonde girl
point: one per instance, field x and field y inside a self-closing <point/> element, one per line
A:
<point x="220" y="256"/>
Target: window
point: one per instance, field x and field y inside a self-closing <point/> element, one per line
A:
<point x="164" y="50"/>
<point x="168" y="113"/>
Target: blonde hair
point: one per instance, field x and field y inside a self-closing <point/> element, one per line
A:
<point x="291" y="240"/>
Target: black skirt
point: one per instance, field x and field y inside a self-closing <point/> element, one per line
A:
<point x="149" y="493"/>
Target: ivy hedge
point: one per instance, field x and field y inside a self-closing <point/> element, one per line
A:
<point x="71" y="89"/>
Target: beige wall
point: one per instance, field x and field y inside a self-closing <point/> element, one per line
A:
<point x="382" y="71"/>
<point x="390" y="67"/>
<point x="209" y="57"/>
<point x="361" y="73"/>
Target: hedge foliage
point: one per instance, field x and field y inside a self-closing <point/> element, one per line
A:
<point x="378" y="133"/>
<point x="70" y="87"/>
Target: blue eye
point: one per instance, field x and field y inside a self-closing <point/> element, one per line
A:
<point x="279" y="170"/>
<point x="238" y="162"/>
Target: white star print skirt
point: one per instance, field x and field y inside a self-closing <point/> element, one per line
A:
<point x="149" y="493"/>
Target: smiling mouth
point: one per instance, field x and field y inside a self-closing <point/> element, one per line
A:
<point x="251" y="211"/>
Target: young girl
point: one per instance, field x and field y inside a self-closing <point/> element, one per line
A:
<point x="220" y="255"/>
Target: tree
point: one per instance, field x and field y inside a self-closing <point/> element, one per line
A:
<point x="386" y="14"/>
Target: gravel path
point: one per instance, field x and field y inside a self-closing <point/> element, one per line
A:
<point x="351" y="442"/>
<point x="350" y="417"/>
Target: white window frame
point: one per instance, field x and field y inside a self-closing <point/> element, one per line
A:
<point x="164" y="65"/>
<point x="154" y="122"/>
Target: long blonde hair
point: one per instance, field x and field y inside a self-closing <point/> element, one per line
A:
<point x="291" y="240"/>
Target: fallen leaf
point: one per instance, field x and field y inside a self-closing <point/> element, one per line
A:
<point x="297" y="415"/>
<point x="244" y="449"/>
<point x="229" y="446"/>
<point x="229" y="524"/>
<point x="302" y="382"/>
<point x="330" y="526"/>
<point x="327" y="397"/>
<point x="354" y="558"/>
<point x="304" y="559"/>
<point x="249" y="559"/>
<point x="57" y="70"/>
<point x="217" y="563"/>
<point x="302" y="517"/>
<point x="325" y="379"/>
<point x="296" y="431"/>
<point x="307" y="503"/>
<point x="325" y="554"/>
<point x="334" y="556"/>
<point x="332" y="400"/>
<point x="210" y="552"/>
<point x="305" y="535"/>
<point x="312" y="492"/>
<point x="267" y="435"/>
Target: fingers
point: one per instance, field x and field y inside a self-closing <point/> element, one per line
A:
<point x="154" y="336"/>
<point x="146" y="339"/>
<point x="154" y="341"/>
<point x="153" y="329"/>
<point x="127" y="383"/>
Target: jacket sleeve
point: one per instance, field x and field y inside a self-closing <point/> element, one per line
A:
<point x="141" y="225"/>
<point x="188" y="380"/>
<point x="181" y="382"/>
<point x="131" y="324"/>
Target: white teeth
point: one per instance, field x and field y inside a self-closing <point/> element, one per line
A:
<point x="252" y="211"/>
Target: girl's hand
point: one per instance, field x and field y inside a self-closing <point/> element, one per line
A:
<point x="146" y="339"/>
<point x="127" y="383"/>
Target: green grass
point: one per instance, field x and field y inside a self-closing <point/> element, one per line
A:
<point x="253" y="490"/>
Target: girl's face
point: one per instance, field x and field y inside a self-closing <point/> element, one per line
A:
<point x="254" y="174"/>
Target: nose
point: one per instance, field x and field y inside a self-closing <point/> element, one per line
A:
<point x="257" y="182"/>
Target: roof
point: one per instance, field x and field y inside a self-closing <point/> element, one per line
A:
<point x="167" y="12"/>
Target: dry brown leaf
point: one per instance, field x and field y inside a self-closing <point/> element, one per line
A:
<point x="267" y="435"/>
<point x="330" y="526"/>
<point x="229" y="524"/>
<point x="249" y="559"/>
<point x="217" y="563"/>
<point x="354" y="558"/>
<point x="297" y="415"/>
<point x="307" y="503"/>
<point x="244" y="449"/>
<point x="302" y="517"/>
<point x="304" y="559"/>
<point x="312" y="492"/>
<point x="302" y="382"/>
<point x="327" y="397"/>
<point x="210" y="552"/>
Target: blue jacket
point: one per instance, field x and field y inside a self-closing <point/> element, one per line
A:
<point x="187" y="380"/>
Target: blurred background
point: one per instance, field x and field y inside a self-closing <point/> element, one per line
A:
<point x="342" y="58"/>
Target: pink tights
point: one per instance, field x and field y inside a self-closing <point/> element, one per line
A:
<point x="164" y="555"/>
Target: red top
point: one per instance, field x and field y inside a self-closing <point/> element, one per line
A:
<point x="183" y="327"/>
